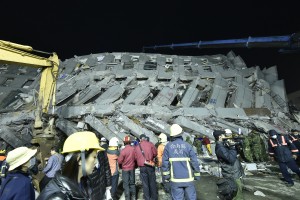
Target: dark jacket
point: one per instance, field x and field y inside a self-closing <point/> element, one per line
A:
<point x="230" y="165"/>
<point x="127" y="158"/>
<point x="101" y="177"/>
<point x="149" y="151"/>
<point x="62" y="188"/>
<point x="295" y="139"/>
<point x="17" y="185"/>
<point x="282" y="148"/>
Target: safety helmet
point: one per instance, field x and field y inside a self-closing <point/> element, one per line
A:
<point x="113" y="142"/>
<point x="163" y="137"/>
<point x="81" y="141"/>
<point x="228" y="131"/>
<point x="127" y="139"/>
<point x="175" y="130"/>
<point x="103" y="139"/>
<point x="2" y="151"/>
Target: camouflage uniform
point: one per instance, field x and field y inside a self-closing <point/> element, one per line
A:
<point x="257" y="147"/>
<point x="198" y="144"/>
<point x="247" y="149"/>
<point x="188" y="140"/>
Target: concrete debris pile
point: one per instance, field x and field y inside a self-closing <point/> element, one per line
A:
<point x="115" y="94"/>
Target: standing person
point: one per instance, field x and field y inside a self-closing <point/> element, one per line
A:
<point x="206" y="143"/>
<point x="198" y="144"/>
<point x="53" y="165"/>
<point x="112" y="155"/>
<point x="17" y="184"/>
<point x="127" y="161"/>
<point x="257" y="147"/>
<point x="295" y="138"/>
<point x="80" y="149"/>
<point x="230" y="165"/>
<point x="285" y="152"/>
<point x="160" y="151"/>
<point x="145" y="153"/>
<point x="101" y="178"/>
<point x="2" y="160"/>
<point x="103" y="143"/>
<point x="247" y="148"/>
<point x="180" y="166"/>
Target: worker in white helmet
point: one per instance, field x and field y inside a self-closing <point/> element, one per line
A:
<point x="163" y="140"/>
<point x="180" y="166"/>
<point x="113" y="154"/>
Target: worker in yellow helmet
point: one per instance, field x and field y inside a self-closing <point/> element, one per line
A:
<point x="80" y="150"/>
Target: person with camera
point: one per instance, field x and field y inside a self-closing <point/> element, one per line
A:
<point x="180" y="166"/>
<point x="145" y="152"/>
<point x="227" y="156"/>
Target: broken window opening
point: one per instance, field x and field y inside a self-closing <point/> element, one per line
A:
<point x="128" y="65"/>
<point x="7" y="82"/>
<point x="207" y="68"/>
<point x="150" y="66"/>
<point x="27" y="84"/>
<point x="121" y="79"/>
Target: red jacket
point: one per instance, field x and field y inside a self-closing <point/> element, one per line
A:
<point x="205" y="141"/>
<point x="127" y="158"/>
<point x="149" y="151"/>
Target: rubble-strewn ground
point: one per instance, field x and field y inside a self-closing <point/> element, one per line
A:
<point x="265" y="181"/>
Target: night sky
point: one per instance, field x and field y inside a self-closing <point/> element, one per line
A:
<point x="83" y="27"/>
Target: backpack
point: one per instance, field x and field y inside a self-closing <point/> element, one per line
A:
<point x="227" y="188"/>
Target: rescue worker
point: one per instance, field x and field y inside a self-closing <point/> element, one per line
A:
<point x="103" y="143"/>
<point x="101" y="177"/>
<point x="257" y="147"/>
<point x="247" y="148"/>
<point x="163" y="139"/>
<point x="230" y="164"/>
<point x="80" y="151"/>
<point x="127" y="162"/>
<point x="285" y="152"/>
<point x="295" y="138"/>
<point x="145" y="152"/>
<point x="206" y="143"/>
<point x="198" y="144"/>
<point x="112" y="155"/>
<point x="2" y="160"/>
<point x="180" y="166"/>
<point x="53" y="165"/>
<point x="188" y="140"/>
<point x="17" y="184"/>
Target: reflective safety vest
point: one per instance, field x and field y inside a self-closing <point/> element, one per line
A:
<point x="180" y="161"/>
<point x="282" y="148"/>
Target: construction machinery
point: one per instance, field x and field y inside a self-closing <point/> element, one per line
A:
<point x="286" y="43"/>
<point x="22" y="55"/>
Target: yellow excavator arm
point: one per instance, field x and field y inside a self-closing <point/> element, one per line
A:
<point x="12" y="53"/>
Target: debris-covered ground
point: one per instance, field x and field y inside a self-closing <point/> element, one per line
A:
<point x="261" y="184"/>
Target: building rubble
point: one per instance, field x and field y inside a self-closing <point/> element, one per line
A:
<point x="114" y="94"/>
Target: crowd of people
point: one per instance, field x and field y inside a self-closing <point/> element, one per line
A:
<point x="89" y="168"/>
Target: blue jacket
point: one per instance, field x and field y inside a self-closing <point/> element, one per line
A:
<point x="179" y="162"/>
<point x="17" y="185"/>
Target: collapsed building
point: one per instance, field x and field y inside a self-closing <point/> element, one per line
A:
<point x="114" y="94"/>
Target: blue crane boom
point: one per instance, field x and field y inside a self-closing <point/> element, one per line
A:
<point x="285" y="43"/>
